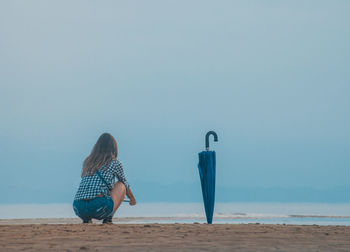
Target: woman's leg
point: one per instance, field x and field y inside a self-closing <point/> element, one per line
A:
<point x="80" y="210"/>
<point x="118" y="194"/>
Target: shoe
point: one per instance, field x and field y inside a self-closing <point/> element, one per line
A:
<point x="87" y="221"/>
<point x="107" y="220"/>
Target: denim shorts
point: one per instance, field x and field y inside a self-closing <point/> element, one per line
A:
<point x="98" y="208"/>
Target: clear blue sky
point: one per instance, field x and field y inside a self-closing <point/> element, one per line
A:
<point x="270" y="77"/>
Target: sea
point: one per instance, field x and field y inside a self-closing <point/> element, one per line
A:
<point x="225" y="213"/>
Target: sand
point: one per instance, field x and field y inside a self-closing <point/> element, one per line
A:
<point x="172" y="237"/>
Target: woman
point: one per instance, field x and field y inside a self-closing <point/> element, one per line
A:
<point x="98" y="195"/>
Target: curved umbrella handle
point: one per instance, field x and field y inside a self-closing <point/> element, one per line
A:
<point x="207" y="138"/>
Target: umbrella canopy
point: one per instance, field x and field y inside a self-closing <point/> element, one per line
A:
<point x="207" y="172"/>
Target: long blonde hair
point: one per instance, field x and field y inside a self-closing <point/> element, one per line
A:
<point x="104" y="151"/>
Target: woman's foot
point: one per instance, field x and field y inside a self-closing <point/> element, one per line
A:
<point x="87" y="221"/>
<point x="107" y="220"/>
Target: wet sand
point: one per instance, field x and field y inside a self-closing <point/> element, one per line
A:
<point x="172" y="237"/>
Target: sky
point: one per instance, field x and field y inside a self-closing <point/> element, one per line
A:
<point x="270" y="77"/>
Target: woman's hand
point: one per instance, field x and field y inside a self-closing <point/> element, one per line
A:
<point x="131" y="197"/>
<point x="132" y="202"/>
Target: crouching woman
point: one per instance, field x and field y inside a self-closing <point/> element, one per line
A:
<point x="99" y="195"/>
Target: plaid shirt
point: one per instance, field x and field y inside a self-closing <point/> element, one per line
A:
<point x="91" y="186"/>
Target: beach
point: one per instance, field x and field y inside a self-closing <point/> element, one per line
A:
<point x="15" y="236"/>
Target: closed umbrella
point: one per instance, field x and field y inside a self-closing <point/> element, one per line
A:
<point x="207" y="170"/>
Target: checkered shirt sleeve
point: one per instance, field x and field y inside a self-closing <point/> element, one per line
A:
<point x="119" y="173"/>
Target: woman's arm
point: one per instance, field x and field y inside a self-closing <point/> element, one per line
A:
<point x="119" y="172"/>
<point x="131" y="197"/>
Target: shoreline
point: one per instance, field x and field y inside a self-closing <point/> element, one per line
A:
<point x="292" y="220"/>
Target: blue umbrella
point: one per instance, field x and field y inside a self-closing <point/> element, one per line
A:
<point x="207" y="170"/>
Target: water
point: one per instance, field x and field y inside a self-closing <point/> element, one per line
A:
<point x="264" y="213"/>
